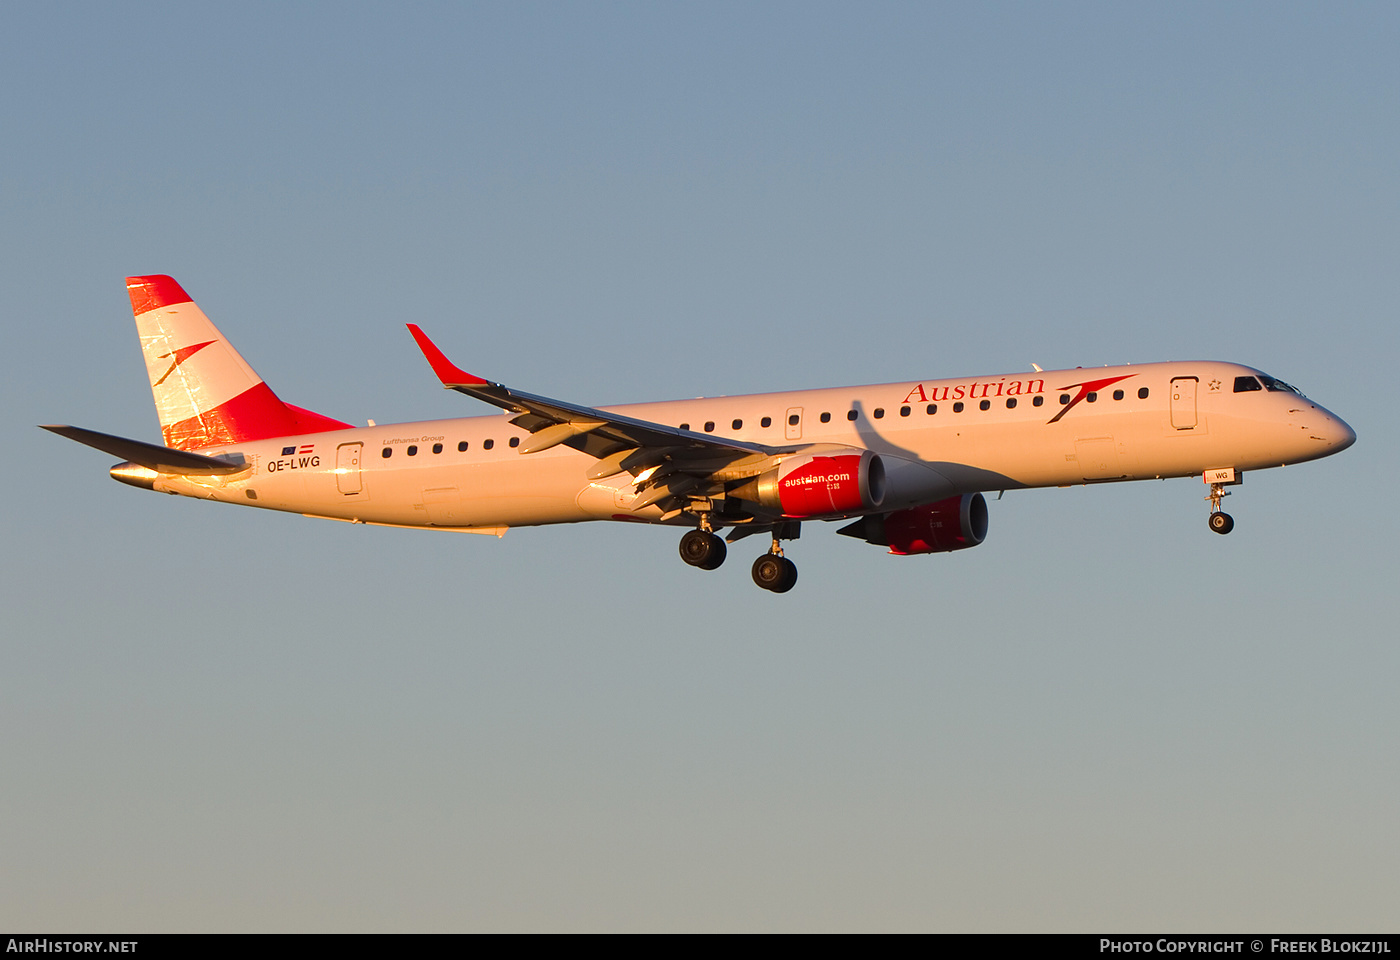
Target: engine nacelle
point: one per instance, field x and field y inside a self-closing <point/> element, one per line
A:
<point x="953" y="524"/>
<point x="819" y="485"/>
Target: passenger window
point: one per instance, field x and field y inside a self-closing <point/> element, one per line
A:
<point x="766" y="422"/>
<point x="709" y="426"/>
<point x="1091" y="397"/>
<point x="985" y="405"/>
<point x="1118" y="394"/>
<point x="826" y="418"/>
<point x="904" y="411"/>
<point x="1010" y="403"/>
<point x="685" y="426"/>
<point x="388" y="452"/>
<point x="852" y="414"/>
<point x="437" y="448"/>
<point x="1064" y="399"/>
<point x="1038" y="401"/>
<point x="412" y="450"/>
<point x="461" y="446"/>
<point x="792" y="420"/>
<point x="879" y="412"/>
<point x="487" y="444"/>
<point x="515" y="441"/>
<point x="1142" y="393"/>
<point x="1247" y="384"/>
<point x="958" y="407"/>
<point x="738" y="425"/>
<point x="932" y="409"/>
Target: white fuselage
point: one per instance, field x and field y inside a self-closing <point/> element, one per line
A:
<point x="1038" y="429"/>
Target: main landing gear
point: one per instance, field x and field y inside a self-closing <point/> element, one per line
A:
<point x="1221" y="523"/>
<point x="701" y="548"/>
<point x="775" y="572"/>
<point x="772" y="571"/>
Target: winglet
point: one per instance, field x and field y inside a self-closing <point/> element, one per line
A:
<point x="450" y="374"/>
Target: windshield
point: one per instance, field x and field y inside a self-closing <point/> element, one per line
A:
<point x="1272" y="383"/>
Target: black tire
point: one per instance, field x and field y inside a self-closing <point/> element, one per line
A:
<point x="768" y="571"/>
<point x="789" y="579"/>
<point x="1221" y="523"/>
<point x="703" y="550"/>
<point x="775" y="573"/>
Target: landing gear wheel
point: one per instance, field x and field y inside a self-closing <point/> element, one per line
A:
<point x="789" y="579"/>
<point x="1221" y="523"/>
<point x="702" y="549"/>
<point x="775" y="573"/>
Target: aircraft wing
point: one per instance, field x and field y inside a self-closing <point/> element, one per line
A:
<point x="669" y="460"/>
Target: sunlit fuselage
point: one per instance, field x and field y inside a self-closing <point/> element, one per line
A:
<point x="1039" y="429"/>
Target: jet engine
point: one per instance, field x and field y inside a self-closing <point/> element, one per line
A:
<point x="953" y="524"/>
<point x="819" y="485"/>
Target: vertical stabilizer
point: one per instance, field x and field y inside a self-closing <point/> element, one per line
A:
<point x="206" y="394"/>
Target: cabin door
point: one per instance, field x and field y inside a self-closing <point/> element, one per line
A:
<point x="1184" y="403"/>
<point x="347" y="467"/>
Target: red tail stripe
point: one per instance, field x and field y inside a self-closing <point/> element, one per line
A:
<point x="255" y="414"/>
<point x="148" y="293"/>
<point x="308" y="421"/>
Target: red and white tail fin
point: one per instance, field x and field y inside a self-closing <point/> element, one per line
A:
<point x="206" y="394"/>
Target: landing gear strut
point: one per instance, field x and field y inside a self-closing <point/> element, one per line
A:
<point x="773" y="571"/>
<point x="1221" y="523"/>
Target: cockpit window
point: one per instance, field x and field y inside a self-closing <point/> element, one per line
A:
<point x="1274" y="384"/>
<point x="1246" y="384"/>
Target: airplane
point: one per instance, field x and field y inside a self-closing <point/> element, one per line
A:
<point x="903" y="465"/>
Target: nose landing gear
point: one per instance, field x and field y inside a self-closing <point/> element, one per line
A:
<point x="1221" y="523"/>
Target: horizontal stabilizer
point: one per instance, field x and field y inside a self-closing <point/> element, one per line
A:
<point x="161" y="459"/>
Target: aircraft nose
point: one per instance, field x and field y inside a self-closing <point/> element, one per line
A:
<point x="1339" y="434"/>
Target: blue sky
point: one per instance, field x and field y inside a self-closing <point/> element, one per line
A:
<point x="1104" y="718"/>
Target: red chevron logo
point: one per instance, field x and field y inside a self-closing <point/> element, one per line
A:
<point x="181" y="355"/>
<point x="1086" y="388"/>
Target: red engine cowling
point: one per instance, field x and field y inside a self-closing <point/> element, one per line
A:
<point x="953" y="524"/>
<point x="814" y="485"/>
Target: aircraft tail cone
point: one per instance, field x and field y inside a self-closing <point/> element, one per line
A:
<point x="135" y="474"/>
